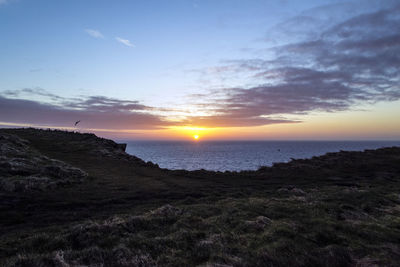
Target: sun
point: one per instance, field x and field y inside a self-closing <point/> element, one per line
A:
<point x="196" y="137"/>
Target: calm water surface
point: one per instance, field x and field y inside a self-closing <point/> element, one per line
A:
<point x="239" y="155"/>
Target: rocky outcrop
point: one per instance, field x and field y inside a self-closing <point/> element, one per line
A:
<point x="69" y="142"/>
<point x="25" y="169"/>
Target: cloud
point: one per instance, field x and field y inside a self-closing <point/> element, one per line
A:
<point x="95" y="112"/>
<point x="94" y="33"/>
<point x="31" y="92"/>
<point x="352" y="62"/>
<point x="124" y="41"/>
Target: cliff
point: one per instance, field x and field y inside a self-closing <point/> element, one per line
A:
<point x="340" y="209"/>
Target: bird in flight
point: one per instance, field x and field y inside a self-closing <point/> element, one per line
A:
<point x="76" y="123"/>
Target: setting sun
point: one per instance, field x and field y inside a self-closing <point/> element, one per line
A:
<point x="195" y="137"/>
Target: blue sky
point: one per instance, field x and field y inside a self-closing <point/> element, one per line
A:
<point x="194" y="61"/>
<point x="44" y="43"/>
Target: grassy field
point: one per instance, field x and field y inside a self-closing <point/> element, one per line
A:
<point x="340" y="209"/>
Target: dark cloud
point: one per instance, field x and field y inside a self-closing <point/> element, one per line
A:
<point x="355" y="61"/>
<point x="96" y="112"/>
<point x="104" y="104"/>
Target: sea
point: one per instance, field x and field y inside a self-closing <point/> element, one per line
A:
<point x="239" y="155"/>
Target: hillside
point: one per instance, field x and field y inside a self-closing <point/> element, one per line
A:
<point x="93" y="204"/>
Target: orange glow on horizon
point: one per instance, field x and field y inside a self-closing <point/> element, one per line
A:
<point x="378" y="122"/>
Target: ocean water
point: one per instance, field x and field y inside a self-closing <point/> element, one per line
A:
<point x="239" y="155"/>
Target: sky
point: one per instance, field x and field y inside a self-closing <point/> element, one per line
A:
<point x="219" y="69"/>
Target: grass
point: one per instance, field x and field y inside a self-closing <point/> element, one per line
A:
<point x="340" y="209"/>
<point x="281" y="231"/>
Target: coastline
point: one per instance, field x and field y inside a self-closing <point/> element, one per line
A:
<point x="339" y="209"/>
<point x="239" y="155"/>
